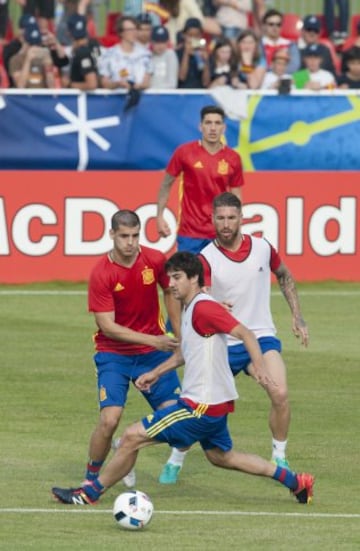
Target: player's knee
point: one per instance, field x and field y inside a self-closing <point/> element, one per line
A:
<point x="109" y="423"/>
<point x="279" y="396"/>
<point x="216" y="457"/>
<point x="134" y="436"/>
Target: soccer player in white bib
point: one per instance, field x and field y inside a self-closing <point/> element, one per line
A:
<point x="207" y="396"/>
<point x="237" y="270"/>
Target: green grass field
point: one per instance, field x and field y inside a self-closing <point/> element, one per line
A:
<point x="48" y="409"/>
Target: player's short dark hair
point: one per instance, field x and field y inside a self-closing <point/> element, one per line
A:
<point x="226" y="199"/>
<point x="211" y="110"/>
<point x="188" y="263"/>
<point x="125" y="217"/>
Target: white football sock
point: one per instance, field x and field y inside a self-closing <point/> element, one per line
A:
<point x="177" y="457"/>
<point x="278" y="449"/>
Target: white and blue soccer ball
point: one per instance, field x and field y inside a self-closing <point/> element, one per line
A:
<point x="133" y="510"/>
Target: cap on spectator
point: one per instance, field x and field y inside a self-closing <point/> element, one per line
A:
<point x="26" y="19"/>
<point x="32" y="34"/>
<point x="160" y="34"/>
<point x="144" y="19"/>
<point x="192" y="23"/>
<point x="313" y="50"/>
<point x="77" y="26"/>
<point x="312" y="23"/>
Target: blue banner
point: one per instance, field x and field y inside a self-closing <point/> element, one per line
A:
<point x="93" y="132"/>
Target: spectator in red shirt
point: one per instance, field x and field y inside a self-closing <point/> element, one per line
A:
<point x="272" y="41"/>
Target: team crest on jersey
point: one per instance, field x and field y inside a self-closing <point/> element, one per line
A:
<point x="102" y="394"/>
<point x="148" y="276"/>
<point x="223" y="167"/>
<point x="119" y="287"/>
<point x="198" y="164"/>
<point x="149" y="418"/>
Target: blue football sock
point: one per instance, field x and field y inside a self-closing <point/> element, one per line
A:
<point x="286" y="477"/>
<point x="93" y="469"/>
<point x="93" y="490"/>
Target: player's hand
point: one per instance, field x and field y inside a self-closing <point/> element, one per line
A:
<point x="300" y="330"/>
<point x="163" y="227"/>
<point x="145" y="381"/>
<point x="166" y="343"/>
<point x="263" y="376"/>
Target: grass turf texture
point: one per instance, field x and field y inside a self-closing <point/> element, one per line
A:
<point x="48" y="409"/>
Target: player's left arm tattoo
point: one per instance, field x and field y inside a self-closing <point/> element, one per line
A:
<point x="288" y="289"/>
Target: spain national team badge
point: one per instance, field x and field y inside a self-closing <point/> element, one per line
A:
<point x="119" y="287"/>
<point x="223" y="167"/>
<point x="102" y="394"/>
<point x="148" y="276"/>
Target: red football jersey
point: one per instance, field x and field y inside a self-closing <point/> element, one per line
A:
<point x="203" y="176"/>
<point x="132" y="294"/>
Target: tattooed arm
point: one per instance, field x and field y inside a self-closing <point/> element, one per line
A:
<point x="288" y="289"/>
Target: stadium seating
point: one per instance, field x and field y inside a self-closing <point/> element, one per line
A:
<point x="291" y="27"/>
<point x="353" y="25"/>
<point x="334" y="56"/>
<point x="110" y="37"/>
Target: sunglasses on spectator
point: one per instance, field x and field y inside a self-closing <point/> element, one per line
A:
<point x="274" y="23"/>
<point x="129" y="29"/>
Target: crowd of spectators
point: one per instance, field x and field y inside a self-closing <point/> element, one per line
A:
<point x="176" y="44"/>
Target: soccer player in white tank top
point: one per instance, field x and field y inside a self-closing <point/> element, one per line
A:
<point x="238" y="274"/>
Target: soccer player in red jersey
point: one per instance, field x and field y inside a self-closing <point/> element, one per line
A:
<point x="207" y="167"/>
<point x="130" y="338"/>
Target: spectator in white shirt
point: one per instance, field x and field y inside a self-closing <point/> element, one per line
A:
<point x="128" y="63"/>
<point x="319" y="79"/>
<point x="165" y="64"/>
<point x="277" y="75"/>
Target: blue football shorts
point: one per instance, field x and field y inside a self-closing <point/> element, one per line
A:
<point x="191" y="244"/>
<point x="239" y="358"/>
<point x="116" y="371"/>
<point x="181" y="428"/>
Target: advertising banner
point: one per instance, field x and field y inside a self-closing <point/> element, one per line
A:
<point x="77" y="131"/>
<point x="54" y="225"/>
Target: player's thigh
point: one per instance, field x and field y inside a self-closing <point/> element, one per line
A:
<point x="277" y="369"/>
<point x="167" y="387"/>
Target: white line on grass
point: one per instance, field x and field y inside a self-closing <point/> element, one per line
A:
<point x="25" y="292"/>
<point x="21" y="510"/>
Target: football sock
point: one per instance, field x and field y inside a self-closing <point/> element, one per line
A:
<point x="177" y="457"/>
<point x="286" y="477"/>
<point x="92" y="469"/>
<point x="278" y="449"/>
<point x="94" y="490"/>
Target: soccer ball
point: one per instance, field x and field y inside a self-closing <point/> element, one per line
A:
<point x="133" y="510"/>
